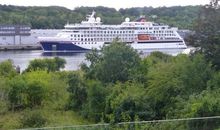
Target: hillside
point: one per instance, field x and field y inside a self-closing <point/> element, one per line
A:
<point x="55" y="17"/>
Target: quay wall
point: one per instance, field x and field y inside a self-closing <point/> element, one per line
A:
<point x="25" y="42"/>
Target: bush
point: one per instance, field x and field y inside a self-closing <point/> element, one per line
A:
<point x="50" y="65"/>
<point x="33" y="119"/>
<point x="7" y="69"/>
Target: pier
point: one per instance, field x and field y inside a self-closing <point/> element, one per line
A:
<point x="21" y="47"/>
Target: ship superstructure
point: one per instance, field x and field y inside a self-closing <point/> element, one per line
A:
<point x="140" y="34"/>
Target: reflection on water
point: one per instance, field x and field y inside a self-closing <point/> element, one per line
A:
<point x="22" y="58"/>
<point x="73" y="59"/>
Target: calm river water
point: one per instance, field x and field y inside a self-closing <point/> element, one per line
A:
<point x="22" y="58"/>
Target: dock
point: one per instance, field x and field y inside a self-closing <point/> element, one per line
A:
<point x="21" y="47"/>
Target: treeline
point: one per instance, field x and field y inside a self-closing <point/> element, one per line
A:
<point x="55" y="17"/>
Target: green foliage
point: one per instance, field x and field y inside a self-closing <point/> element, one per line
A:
<point x="54" y="17"/>
<point x="94" y="58"/>
<point x="16" y="93"/>
<point x="7" y="69"/>
<point x="169" y="82"/>
<point x="48" y="85"/>
<point x="157" y="57"/>
<point x="95" y="105"/>
<point x="4" y="89"/>
<point x="35" y="94"/>
<point x="203" y="105"/>
<point x="214" y="83"/>
<point x="49" y="65"/>
<point x="33" y="119"/>
<point x="77" y="90"/>
<point x="37" y="89"/>
<point x="207" y="35"/>
<point x="182" y="17"/>
<point x="117" y="62"/>
<point x="127" y="102"/>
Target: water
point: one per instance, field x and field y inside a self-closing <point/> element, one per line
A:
<point x="22" y="58"/>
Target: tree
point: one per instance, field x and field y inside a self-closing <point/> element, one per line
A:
<point x="173" y="81"/>
<point x="95" y="105"/>
<point x="45" y="90"/>
<point x="35" y="94"/>
<point x="207" y="34"/>
<point x="49" y="65"/>
<point x="7" y="69"/>
<point x="16" y="93"/>
<point x="77" y="90"/>
<point x="116" y="62"/>
<point x="126" y="102"/>
<point x="205" y="104"/>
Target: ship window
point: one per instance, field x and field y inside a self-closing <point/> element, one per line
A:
<point x="71" y="35"/>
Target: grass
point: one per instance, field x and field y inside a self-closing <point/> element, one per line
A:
<point x="13" y="120"/>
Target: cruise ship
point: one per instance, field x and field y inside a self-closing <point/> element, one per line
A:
<point x="92" y="34"/>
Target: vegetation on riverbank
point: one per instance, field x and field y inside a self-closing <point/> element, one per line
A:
<point x="117" y="86"/>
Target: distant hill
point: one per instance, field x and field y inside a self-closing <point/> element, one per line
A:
<point x="55" y="17"/>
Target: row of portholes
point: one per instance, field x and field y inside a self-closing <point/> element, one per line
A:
<point x="85" y="43"/>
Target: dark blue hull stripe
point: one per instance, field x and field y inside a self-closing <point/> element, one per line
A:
<point x="60" y="46"/>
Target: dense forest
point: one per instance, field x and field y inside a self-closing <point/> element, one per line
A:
<point x="56" y="17"/>
<point x="118" y="85"/>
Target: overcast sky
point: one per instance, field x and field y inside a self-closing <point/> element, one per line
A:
<point x="71" y="4"/>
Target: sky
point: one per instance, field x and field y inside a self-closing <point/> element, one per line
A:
<point x="117" y="4"/>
